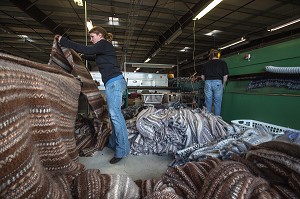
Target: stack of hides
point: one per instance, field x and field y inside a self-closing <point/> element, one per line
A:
<point x="38" y="154"/>
<point x="39" y="158"/>
<point x="270" y="170"/>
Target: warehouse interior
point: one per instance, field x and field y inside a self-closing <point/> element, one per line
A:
<point x="54" y="121"/>
<point x="141" y="32"/>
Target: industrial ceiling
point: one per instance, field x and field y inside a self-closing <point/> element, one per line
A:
<point x="147" y="28"/>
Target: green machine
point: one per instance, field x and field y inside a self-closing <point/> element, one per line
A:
<point x="275" y="105"/>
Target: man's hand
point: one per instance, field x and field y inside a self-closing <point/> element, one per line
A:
<point x="57" y="37"/>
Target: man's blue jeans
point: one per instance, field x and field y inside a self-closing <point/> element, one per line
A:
<point x="213" y="90"/>
<point x="118" y="140"/>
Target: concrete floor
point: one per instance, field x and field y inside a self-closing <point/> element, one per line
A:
<point x="136" y="167"/>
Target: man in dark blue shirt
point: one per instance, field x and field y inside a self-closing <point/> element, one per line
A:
<point x="215" y="73"/>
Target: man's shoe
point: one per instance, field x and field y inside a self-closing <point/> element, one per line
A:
<point x="114" y="160"/>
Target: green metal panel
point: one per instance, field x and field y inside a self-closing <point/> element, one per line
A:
<point x="279" y="106"/>
<point x="284" y="54"/>
<point x="272" y="107"/>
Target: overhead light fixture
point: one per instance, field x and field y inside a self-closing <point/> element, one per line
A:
<point x="240" y="44"/>
<point x="137" y="69"/>
<point x="284" y="25"/>
<point x="233" y="43"/>
<point x="213" y="33"/>
<point x="207" y="9"/>
<point x="157" y="51"/>
<point x="89" y="25"/>
<point x="115" y="43"/>
<point x="149" y="65"/>
<point x="173" y="36"/>
<point x="113" y="21"/>
<point x="183" y="61"/>
<point x="26" y="38"/>
<point x="78" y="2"/>
<point x="185" y="49"/>
<point x="147" y="60"/>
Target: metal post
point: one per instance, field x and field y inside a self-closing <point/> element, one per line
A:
<point x="177" y="78"/>
<point x="86" y="30"/>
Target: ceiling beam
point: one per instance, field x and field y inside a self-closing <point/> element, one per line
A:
<point x="34" y="12"/>
<point x="180" y="24"/>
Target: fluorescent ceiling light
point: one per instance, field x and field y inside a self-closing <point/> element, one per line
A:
<point x="233" y="43"/>
<point x="185" y="49"/>
<point x="183" y="61"/>
<point x="149" y="65"/>
<point x="213" y="33"/>
<point x="173" y="36"/>
<point x="115" y="43"/>
<point x="157" y="51"/>
<point x="26" y="38"/>
<point x="148" y="59"/>
<point x="89" y="25"/>
<point x="240" y="44"/>
<point x="113" y="21"/>
<point x="207" y="9"/>
<point x="137" y="69"/>
<point x="78" y="2"/>
<point x="284" y="25"/>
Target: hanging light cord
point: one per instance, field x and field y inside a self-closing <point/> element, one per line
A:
<point x="194" y="48"/>
<point x="193" y="78"/>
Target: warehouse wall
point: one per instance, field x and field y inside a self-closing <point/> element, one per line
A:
<point x="280" y="106"/>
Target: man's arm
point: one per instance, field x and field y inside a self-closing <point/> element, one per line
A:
<point x="203" y="77"/>
<point x="225" y="77"/>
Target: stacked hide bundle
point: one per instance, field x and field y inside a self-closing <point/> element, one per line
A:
<point x="93" y="184"/>
<point x="91" y="130"/>
<point x="270" y="170"/>
<point x="38" y="109"/>
<point x="38" y="155"/>
<point x="155" y="189"/>
<point x="39" y="159"/>
<point x="279" y="162"/>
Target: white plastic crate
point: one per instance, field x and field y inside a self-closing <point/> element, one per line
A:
<point x="152" y="98"/>
<point x="172" y="97"/>
<point x="246" y="124"/>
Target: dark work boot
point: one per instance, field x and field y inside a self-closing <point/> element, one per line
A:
<point x="114" y="160"/>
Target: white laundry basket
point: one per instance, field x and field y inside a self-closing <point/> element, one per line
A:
<point x="152" y="98"/>
<point x="246" y="124"/>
